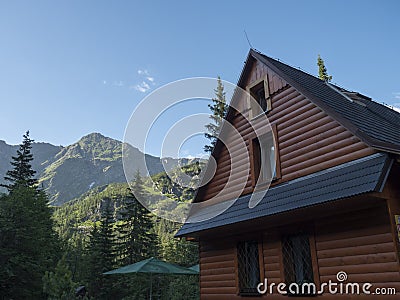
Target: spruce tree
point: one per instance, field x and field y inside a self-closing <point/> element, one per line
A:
<point x="322" y="72"/>
<point x="22" y="172"/>
<point x="135" y="229"/>
<point x="58" y="285"/>
<point x="136" y="240"/>
<point x="178" y="287"/>
<point x="218" y="109"/>
<point x="101" y="256"/>
<point x="28" y="244"/>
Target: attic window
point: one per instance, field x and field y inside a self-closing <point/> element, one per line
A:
<point x="259" y="91"/>
<point x="265" y="158"/>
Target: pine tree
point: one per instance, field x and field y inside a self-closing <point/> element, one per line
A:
<point x="28" y="244"/>
<point x="135" y="236"/>
<point x="322" y="72"/>
<point x="179" y="287"/>
<point x="22" y="173"/>
<point x="101" y="256"/>
<point x="218" y="109"/>
<point x="136" y="240"/>
<point x="58" y="285"/>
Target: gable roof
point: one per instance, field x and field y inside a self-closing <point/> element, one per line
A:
<point x="375" y="124"/>
<point x="367" y="174"/>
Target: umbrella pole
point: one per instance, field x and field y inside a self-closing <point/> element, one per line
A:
<point x="151" y="286"/>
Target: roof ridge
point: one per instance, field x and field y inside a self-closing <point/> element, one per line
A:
<point x="374" y="124"/>
<point x="287" y="64"/>
<point x="335" y="85"/>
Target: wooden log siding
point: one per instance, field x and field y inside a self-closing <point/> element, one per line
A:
<point x="358" y="243"/>
<point x="308" y="139"/>
<point x="217" y="269"/>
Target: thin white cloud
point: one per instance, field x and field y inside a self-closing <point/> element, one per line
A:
<point x="143" y="72"/>
<point x="139" y="88"/>
<point x="145" y="85"/>
<point x="146" y="81"/>
<point x="142" y="87"/>
<point x="396" y="95"/>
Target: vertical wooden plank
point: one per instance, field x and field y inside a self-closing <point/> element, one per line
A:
<point x="254" y="160"/>
<point x="281" y="263"/>
<point x="261" y="259"/>
<point x="393" y="206"/>
<point x="271" y="81"/>
<point x="236" y="269"/>
<point x="314" y="258"/>
<point x="277" y="154"/>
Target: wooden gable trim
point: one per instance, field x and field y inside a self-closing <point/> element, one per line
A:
<point x="265" y="80"/>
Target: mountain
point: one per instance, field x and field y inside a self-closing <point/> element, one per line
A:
<point x="44" y="155"/>
<point x="88" y="207"/>
<point x="95" y="160"/>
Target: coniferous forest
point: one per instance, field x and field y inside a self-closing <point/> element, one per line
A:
<point x="62" y="252"/>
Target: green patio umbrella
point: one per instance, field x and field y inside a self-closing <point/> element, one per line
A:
<point x="153" y="266"/>
<point x="195" y="268"/>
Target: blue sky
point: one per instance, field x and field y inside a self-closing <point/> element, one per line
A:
<point x="68" y="68"/>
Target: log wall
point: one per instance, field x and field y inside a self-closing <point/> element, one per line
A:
<point x="359" y="243"/>
<point x="308" y="140"/>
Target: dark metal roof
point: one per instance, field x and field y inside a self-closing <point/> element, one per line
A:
<point x="363" y="175"/>
<point x="374" y="123"/>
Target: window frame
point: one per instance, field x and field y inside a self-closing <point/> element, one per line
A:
<point x="260" y="267"/>
<point x="309" y="232"/>
<point x="267" y="96"/>
<point x="253" y="163"/>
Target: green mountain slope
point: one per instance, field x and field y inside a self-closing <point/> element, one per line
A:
<point x="95" y="160"/>
<point x="44" y="155"/>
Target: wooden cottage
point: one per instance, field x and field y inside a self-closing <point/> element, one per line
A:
<point x="329" y="216"/>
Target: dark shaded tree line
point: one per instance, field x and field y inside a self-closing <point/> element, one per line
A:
<point x="46" y="257"/>
<point x="28" y="244"/>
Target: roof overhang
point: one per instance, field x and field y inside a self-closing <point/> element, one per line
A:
<point x="364" y="175"/>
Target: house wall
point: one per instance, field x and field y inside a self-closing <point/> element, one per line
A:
<point x="308" y="140"/>
<point x="359" y="243"/>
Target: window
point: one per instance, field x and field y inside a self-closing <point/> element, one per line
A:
<point x="248" y="267"/>
<point x="265" y="158"/>
<point x="259" y="91"/>
<point x="297" y="262"/>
